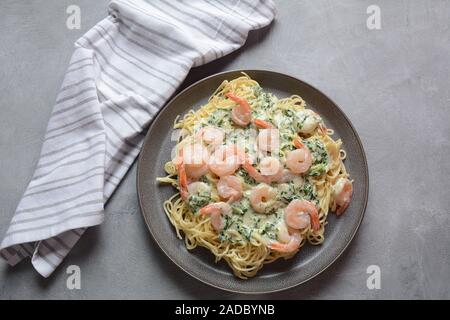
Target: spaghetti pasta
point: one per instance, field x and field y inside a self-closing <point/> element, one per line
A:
<point x="257" y="177"/>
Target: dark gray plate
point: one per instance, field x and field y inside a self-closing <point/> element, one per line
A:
<point x="199" y="263"/>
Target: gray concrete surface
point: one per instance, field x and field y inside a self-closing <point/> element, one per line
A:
<point x="393" y="84"/>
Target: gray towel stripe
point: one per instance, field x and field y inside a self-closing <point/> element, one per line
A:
<point x="78" y="61"/>
<point x="221" y="21"/>
<point x="117" y="160"/>
<point x="43" y="256"/>
<point x="190" y="25"/>
<point x="61" y="243"/>
<point x="111" y="175"/>
<point x="154" y="108"/>
<point x="58" y="213"/>
<point x="118" y="135"/>
<point x="113" y="46"/>
<point x="65" y="125"/>
<point x="228" y="9"/>
<point x="253" y="7"/>
<point x="79" y="68"/>
<point x="124" y="153"/>
<point x="113" y="107"/>
<point x="32" y="209"/>
<point x="135" y="57"/>
<point x="76" y="84"/>
<point x="64" y="185"/>
<point x="89" y="148"/>
<point x="214" y="28"/>
<point x="27" y="250"/>
<point x="123" y="74"/>
<point x="181" y="64"/>
<point x="77" y="232"/>
<point x="79" y="93"/>
<point x="95" y="121"/>
<point x="20" y="254"/>
<point x="145" y="12"/>
<point x="138" y="126"/>
<point x="161" y="35"/>
<point x="77" y="216"/>
<point x="53" y="152"/>
<point x="90" y="157"/>
<point x="74" y="106"/>
<point x="52" y="249"/>
<point x="64" y="179"/>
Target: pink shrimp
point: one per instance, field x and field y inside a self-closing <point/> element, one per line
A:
<point x="263" y="198"/>
<point x="293" y="243"/>
<point x="195" y="159"/>
<point x="262" y="124"/>
<point x="323" y="129"/>
<point x="225" y="160"/>
<point x="343" y="193"/>
<point x="269" y="140"/>
<point x="271" y="170"/>
<point x="182" y="180"/>
<point x="241" y="113"/>
<point x="217" y="211"/>
<point x="301" y="213"/>
<point x="229" y="188"/>
<point x="299" y="160"/>
<point x="211" y="135"/>
<point x="255" y="174"/>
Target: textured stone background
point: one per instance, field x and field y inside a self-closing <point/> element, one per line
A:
<point x="393" y="84"/>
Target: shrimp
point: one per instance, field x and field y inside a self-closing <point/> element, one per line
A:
<point x="269" y="140"/>
<point x="242" y="113"/>
<point x="182" y="180"/>
<point x="225" y="160"/>
<point x="211" y="135"/>
<point x="261" y="124"/>
<point x="299" y="214"/>
<point x="195" y="159"/>
<point x="229" y="188"/>
<point x="308" y="121"/>
<point x="271" y="170"/>
<point x="194" y="154"/>
<point x="198" y="187"/>
<point x="342" y="192"/>
<point x="323" y="129"/>
<point x="263" y="198"/>
<point x="288" y="176"/>
<point x="270" y="166"/>
<point x="291" y="245"/>
<point x="217" y="211"/>
<point x="300" y="160"/>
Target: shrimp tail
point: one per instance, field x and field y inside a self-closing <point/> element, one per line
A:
<point x="291" y="246"/>
<point x="251" y="170"/>
<point x="261" y="124"/>
<point x="182" y="180"/>
<point x="278" y="246"/>
<point x="298" y="143"/>
<point x="323" y="129"/>
<point x="242" y="102"/>
<point x="340" y="210"/>
<point x="206" y="210"/>
<point x="315" y="222"/>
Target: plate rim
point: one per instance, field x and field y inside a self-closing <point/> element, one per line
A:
<point x="176" y="96"/>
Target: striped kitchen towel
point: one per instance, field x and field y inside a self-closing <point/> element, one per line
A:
<point x="122" y="72"/>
